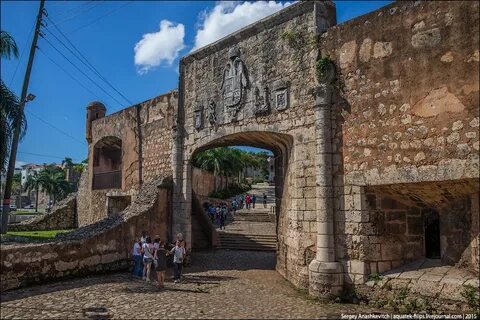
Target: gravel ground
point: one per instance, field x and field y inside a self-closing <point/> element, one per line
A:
<point x="221" y="284"/>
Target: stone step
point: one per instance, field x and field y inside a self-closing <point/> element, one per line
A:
<point x="245" y="236"/>
<point x="243" y="218"/>
<point x="247" y="242"/>
<point x="248" y="248"/>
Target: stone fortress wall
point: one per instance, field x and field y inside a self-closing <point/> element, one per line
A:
<point x="251" y="88"/>
<point x="361" y="161"/>
<point x="154" y="117"/>
<point x="99" y="247"/>
<point x="406" y="134"/>
<point x="62" y="217"/>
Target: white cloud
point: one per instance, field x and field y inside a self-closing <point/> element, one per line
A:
<point x="159" y="47"/>
<point x="227" y="17"/>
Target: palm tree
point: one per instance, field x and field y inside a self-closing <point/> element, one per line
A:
<point x="54" y="183"/>
<point x="11" y="114"/>
<point x="67" y="162"/>
<point x="8" y="46"/>
<point x="35" y="181"/>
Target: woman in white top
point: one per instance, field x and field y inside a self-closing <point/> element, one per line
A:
<point x="137" y="257"/>
<point x="148" y="252"/>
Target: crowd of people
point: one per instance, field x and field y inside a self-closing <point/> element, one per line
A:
<point x="247" y="201"/>
<point x="151" y="256"/>
<point x="219" y="213"/>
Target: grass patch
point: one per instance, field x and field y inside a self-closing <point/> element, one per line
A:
<point x="35" y="235"/>
<point x="26" y="212"/>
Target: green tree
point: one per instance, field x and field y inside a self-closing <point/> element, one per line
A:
<point x="35" y="182"/>
<point x="67" y="162"/>
<point x="11" y="114"/>
<point x="54" y="182"/>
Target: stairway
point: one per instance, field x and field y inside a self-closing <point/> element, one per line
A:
<point x="251" y="229"/>
<point x="254" y="242"/>
<point x="253" y="215"/>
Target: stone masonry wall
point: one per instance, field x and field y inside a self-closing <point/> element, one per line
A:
<point x="156" y="121"/>
<point x="203" y="182"/>
<point x="103" y="246"/>
<point x="62" y="217"/>
<point x="406" y="112"/>
<point x="409" y="75"/>
<point x="276" y="113"/>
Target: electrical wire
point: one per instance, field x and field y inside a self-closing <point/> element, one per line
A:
<point x="72" y="10"/>
<point x="55" y="127"/>
<point x="21" y="54"/>
<point x="68" y="73"/>
<point x="102" y="16"/>
<point x="85" y="61"/>
<point x="44" y="155"/>
<point x="96" y="4"/>
<point x="76" y="67"/>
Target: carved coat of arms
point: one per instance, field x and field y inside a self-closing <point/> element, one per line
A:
<point x="234" y="83"/>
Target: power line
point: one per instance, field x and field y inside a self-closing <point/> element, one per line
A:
<point x="85" y="60"/>
<point x="102" y="16"/>
<point x="76" y="67"/>
<point x="66" y="72"/>
<point x="21" y="55"/>
<point x="96" y="4"/>
<point x="72" y="10"/>
<point x="56" y="128"/>
<point x="44" y="155"/>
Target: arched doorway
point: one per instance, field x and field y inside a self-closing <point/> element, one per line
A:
<point x="107" y="164"/>
<point x="279" y="148"/>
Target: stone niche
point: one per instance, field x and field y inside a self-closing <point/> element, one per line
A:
<point x="422" y="221"/>
<point x="117" y="203"/>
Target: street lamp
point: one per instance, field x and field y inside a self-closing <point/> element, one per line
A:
<point x="30" y="97"/>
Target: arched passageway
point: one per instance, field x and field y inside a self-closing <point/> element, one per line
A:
<point x="279" y="149"/>
<point x="107" y="164"/>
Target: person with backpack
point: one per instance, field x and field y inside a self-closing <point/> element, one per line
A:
<point x="234" y="206"/>
<point x="178" y="255"/>
<point x="254" y="199"/>
<point x="148" y="251"/>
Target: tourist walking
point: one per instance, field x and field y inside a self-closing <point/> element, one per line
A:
<point x="178" y="255"/>
<point x="148" y="252"/>
<point x="211" y="213"/>
<point x="223" y="217"/>
<point x="218" y="213"/>
<point x="264" y="200"/>
<point x="254" y="199"/>
<point x="161" y="265"/>
<point x="247" y="201"/>
<point x="234" y="207"/>
<point x="137" y="258"/>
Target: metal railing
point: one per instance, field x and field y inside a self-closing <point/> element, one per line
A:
<point x="107" y="180"/>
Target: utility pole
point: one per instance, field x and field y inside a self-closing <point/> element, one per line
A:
<point x="16" y="130"/>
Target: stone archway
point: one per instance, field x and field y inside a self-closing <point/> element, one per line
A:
<point x="281" y="147"/>
<point x="107" y="164"/>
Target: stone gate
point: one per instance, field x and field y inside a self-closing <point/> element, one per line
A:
<point x="373" y="123"/>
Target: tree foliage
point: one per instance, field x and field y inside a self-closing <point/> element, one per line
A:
<point x="11" y="114"/>
<point x="230" y="161"/>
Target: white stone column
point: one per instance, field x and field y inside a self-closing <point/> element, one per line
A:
<point x="325" y="274"/>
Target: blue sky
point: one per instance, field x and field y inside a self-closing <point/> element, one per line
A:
<point x="135" y="45"/>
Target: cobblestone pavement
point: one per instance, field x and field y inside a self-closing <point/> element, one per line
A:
<point x="221" y="284"/>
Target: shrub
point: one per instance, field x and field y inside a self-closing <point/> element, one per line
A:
<point x="231" y="191"/>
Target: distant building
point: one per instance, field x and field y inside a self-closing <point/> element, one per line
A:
<point x="28" y="169"/>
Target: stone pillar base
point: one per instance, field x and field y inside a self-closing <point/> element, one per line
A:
<point x="325" y="279"/>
